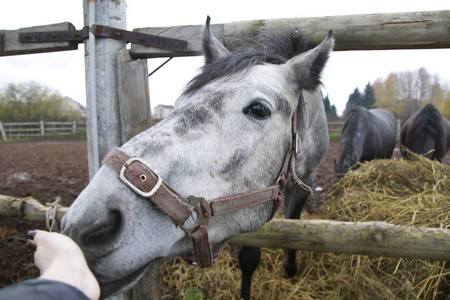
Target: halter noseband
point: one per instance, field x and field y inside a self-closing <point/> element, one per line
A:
<point x="147" y="183"/>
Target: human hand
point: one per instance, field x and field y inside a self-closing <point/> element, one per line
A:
<point x="59" y="258"/>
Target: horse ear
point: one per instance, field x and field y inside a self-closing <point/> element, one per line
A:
<point x="212" y="48"/>
<point x="307" y="67"/>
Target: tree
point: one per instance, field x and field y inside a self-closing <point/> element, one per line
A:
<point x="368" y="98"/>
<point x="31" y="102"/>
<point x="406" y="92"/>
<point x="424" y="84"/>
<point x="445" y="106"/>
<point x="330" y="110"/>
<point x="387" y="94"/>
<point x="353" y="100"/>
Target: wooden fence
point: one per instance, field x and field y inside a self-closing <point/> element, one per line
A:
<point x="365" y="238"/>
<point x="334" y="130"/>
<point x="39" y="129"/>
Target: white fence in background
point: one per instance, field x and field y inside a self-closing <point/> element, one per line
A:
<point x="39" y="129"/>
<point x="334" y="129"/>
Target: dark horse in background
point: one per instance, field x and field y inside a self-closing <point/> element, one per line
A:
<point x="367" y="134"/>
<point x="424" y="131"/>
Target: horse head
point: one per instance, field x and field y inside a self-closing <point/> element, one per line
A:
<point x="229" y="133"/>
<point x="344" y="165"/>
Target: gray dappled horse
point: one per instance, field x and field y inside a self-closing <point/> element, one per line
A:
<point x="366" y="134"/>
<point x="233" y="132"/>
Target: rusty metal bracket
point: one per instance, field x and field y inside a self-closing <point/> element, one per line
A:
<point x="140" y="38"/>
<point x="77" y="36"/>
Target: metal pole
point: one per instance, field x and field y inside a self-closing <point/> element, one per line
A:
<point x="103" y="121"/>
<point x="94" y="161"/>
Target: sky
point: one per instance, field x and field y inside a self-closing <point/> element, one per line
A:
<point x="346" y="70"/>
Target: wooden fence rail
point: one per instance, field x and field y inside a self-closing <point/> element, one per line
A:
<point x="36" y="129"/>
<point x="406" y="30"/>
<point x="365" y="238"/>
<point x="334" y="129"/>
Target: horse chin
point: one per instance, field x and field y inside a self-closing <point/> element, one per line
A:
<point x="122" y="285"/>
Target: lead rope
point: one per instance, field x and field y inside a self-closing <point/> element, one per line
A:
<point x="297" y="144"/>
<point x="50" y="215"/>
<point x="297" y="181"/>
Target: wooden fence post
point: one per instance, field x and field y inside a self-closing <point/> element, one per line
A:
<point x="74" y="127"/>
<point x="134" y="97"/>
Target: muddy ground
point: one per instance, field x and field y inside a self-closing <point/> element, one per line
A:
<point x="58" y="168"/>
<point x="43" y="170"/>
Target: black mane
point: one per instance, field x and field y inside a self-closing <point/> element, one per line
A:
<point x="428" y="119"/>
<point x="274" y="49"/>
<point x="428" y="122"/>
<point x="351" y="122"/>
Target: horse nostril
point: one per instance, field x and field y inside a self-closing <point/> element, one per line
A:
<point x="104" y="232"/>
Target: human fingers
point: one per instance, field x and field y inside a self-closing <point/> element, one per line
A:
<point x="31" y="234"/>
<point x="53" y="248"/>
<point x="59" y="258"/>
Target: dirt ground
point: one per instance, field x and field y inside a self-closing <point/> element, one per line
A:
<point x="52" y="168"/>
<point x="43" y="170"/>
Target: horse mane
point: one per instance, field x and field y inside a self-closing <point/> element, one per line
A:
<point x="428" y="113"/>
<point x="429" y="120"/>
<point x="275" y="48"/>
<point x="429" y="117"/>
<point x="351" y="121"/>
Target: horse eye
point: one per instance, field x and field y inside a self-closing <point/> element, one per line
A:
<point x="258" y="110"/>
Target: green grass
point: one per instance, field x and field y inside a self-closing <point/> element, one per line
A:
<point x="80" y="134"/>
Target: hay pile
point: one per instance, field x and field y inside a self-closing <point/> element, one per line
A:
<point x="407" y="193"/>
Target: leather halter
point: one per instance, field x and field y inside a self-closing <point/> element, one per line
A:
<point x="147" y="183"/>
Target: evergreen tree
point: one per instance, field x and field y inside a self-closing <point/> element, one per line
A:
<point x="326" y="103"/>
<point x="330" y="110"/>
<point x="368" y="99"/>
<point x="353" y="100"/>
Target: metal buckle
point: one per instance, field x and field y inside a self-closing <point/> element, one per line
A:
<point x="131" y="185"/>
<point x="201" y="219"/>
<point x="195" y="203"/>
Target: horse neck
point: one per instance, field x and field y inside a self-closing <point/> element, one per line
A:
<point x="310" y="114"/>
<point x="353" y="139"/>
<point x="447" y="130"/>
